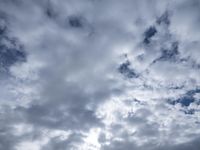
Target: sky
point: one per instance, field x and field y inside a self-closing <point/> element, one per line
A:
<point x="99" y="75"/>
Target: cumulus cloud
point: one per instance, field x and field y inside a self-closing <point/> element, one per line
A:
<point x="99" y="75"/>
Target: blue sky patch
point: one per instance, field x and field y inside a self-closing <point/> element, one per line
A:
<point x="149" y="33"/>
<point x="186" y="99"/>
<point x="125" y="69"/>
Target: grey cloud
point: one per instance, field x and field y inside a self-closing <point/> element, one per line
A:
<point x="60" y="118"/>
<point x="59" y="144"/>
<point x="164" y="18"/>
<point x="194" y="145"/>
<point x="75" y="22"/>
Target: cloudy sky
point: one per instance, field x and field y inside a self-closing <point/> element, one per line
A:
<point x="99" y="74"/>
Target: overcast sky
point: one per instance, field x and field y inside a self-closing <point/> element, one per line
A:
<point x="99" y="74"/>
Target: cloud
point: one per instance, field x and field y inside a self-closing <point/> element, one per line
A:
<point x="99" y="75"/>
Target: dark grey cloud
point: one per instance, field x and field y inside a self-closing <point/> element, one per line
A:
<point x="75" y="22"/>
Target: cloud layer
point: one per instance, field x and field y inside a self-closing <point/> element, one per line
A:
<point x="99" y="75"/>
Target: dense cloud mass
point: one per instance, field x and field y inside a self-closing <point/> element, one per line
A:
<point x="99" y="75"/>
